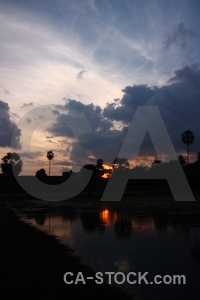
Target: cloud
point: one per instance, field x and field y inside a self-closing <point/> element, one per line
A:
<point x="8" y="128"/>
<point x="179" y="35"/>
<point x="80" y="74"/>
<point x="133" y="96"/>
<point x="49" y="136"/>
<point x="28" y="120"/>
<point x="119" y="45"/>
<point x="24" y="105"/>
<point x="56" y="112"/>
<point x="189" y="75"/>
<point x="15" y="115"/>
<point x="102" y="144"/>
<point x="31" y="155"/>
<point x="100" y="141"/>
<point x="91" y="113"/>
<point x="49" y="141"/>
<point x="92" y="5"/>
<point x="62" y="163"/>
<point x="178" y="103"/>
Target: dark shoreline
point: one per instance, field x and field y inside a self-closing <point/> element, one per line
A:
<point x="33" y="265"/>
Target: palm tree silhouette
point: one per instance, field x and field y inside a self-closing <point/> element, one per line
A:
<point x="188" y="138"/>
<point x="50" y="156"/>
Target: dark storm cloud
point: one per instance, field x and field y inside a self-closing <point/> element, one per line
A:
<point x="80" y="74"/>
<point x="180" y="35"/>
<point x="61" y="127"/>
<point x="24" y="105"/>
<point x="101" y="141"/>
<point x="92" y="113"/>
<point x="178" y="102"/>
<point x="133" y="96"/>
<point x="8" y="128"/>
<point x="103" y="144"/>
<point x="188" y="75"/>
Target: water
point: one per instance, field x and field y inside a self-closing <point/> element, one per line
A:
<point x="121" y="242"/>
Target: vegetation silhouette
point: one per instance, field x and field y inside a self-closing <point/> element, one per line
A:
<point x="182" y="160"/>
<point x="99" y="171"/>
<point x="121" y="163"/>
<point x="41" y="174"/>
<point x="99" y="167"/>
<point x="188" y="138"/>
<point x="11" y="164"/>
<point x="198" y="158"/>
<point x="141" y="175"/>
<point x="50" y="156"/>
<point x="157" y="161"/>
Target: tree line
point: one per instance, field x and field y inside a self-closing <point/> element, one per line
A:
<point x="11" y="162"/>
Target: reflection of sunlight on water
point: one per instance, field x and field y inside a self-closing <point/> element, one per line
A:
<point x="109" y="217"/>
<point x="125" y="242"/>
<point x="104" y="217"/>
<point x="62" y="227"/>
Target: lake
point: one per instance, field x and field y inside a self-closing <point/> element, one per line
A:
<point x="109" y="240"/>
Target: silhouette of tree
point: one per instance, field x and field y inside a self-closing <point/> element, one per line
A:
<point x="67" y="174"/>
<point x="121" y="163"/>
<point x="11" y="164"/>
<point x="182" y="160"/>
<point x="157" y="161"/>
<point x="50" y="156"/>
<point x="188" y="138"/>
<point x="41" y="173"/>
<point x="90" y="167"/>
<point x="99" y="164"/>
<point x="99" y="168"/>
<point x="138" y="171"/>
<point x="198" y="158"/>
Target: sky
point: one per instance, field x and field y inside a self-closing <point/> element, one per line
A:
<point x="63" y="61"/>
